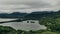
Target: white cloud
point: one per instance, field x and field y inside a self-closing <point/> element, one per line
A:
<point x="28" y="5"/>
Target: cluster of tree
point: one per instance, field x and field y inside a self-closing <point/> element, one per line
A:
<point x="52" y="23"/>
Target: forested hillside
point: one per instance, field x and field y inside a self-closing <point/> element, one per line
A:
<point x="43" y="14"/>
<point x="12" y="15"/>
<point x="50" y="19"/>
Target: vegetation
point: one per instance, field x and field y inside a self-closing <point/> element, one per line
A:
<point x="50" y="19"/>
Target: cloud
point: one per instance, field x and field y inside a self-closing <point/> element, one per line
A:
<point x="28" y="5"/>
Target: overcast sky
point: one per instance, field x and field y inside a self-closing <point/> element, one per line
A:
<point x="28" y="5"/>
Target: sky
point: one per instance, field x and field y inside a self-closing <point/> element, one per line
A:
<point x="28" y="6"/>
